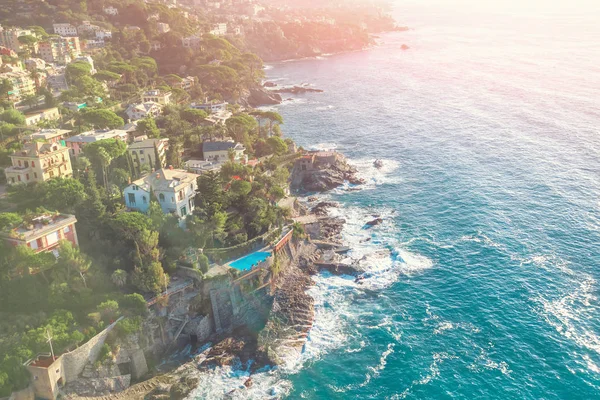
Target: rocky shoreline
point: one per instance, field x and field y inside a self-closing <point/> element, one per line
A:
<point x="292" y="311"/>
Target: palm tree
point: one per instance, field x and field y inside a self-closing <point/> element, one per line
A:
<point x="119" y="278"/>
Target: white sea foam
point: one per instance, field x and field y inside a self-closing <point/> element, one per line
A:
<point x="324" y="108"/>
<point x="374" y="176"/>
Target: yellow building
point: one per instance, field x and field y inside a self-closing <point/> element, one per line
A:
<point x="38" y="162"/>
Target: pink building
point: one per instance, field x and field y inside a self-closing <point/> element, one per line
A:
<point x="43" y="233"/>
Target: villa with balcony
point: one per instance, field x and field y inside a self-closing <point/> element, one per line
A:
<point x="38" y="162"/>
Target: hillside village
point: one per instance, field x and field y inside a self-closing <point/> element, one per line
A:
<point x="143" y="196"/>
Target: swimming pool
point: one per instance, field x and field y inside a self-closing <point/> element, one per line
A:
<point x="245" y="263"/>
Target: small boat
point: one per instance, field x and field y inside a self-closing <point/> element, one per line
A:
<point x="378" y="164"/>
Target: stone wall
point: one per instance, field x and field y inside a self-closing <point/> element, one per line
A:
<point x="202" y="327"/>
<point x="74" y="362"/>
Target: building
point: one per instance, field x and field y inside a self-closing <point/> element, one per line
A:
<point x="48" y="114"/>
<point x="111" y="11"/>
<point x="143" y="110"/>
<point x="210" y="106"/>
<point x="38" y="162"/>
<point x="43" y="232"/>
<point x="35" y="64"/>
<point x="75" y="144"/>
<point x="143" y="152"/>
<point x="5" y="51"/>
<point x="218" y="29"/>
<point x="87" y="28"/>
<point x="200" y="166"/>
<point x="103" y="34"/>
<point x="175" y="190"/>
<point x="186" y="83"/>
<point x="22" y="84"/>
<point x="162" y="27"/>
<point x="10" y="37"/>
<point x="192" y="42"/>
<point x="155" y="45"/>
<point x="65" y="29"/>
<point x="219" y="151"/>
<point x="61" y="50"/>
<point x="48" y="135"/>
<point x="73" y="106"/>
<point x="156" y="96"/>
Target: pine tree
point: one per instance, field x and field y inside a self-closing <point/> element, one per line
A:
<point x="157" y="161"/>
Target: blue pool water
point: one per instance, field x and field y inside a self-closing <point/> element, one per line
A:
<point x="245" y="263"/>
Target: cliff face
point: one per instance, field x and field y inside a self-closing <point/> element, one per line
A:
<point x="292" y="312"/>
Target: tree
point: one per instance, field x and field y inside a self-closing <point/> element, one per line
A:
<point x="147" y="126"/>
<point x="272" y="116"/>
<point x="106" y="76"/>
<point x="103" y="118"/>
<point x="210" y="193"/>
<point x="277" y="145"/>
<point x="119" y="278"/>
<point x="71" y="258"/>
<point x="203" y="263"/>
<point x="12" y="116"/>
<point x="77" y="70"/>
<point x="157" y="160"/>
<point x="9" y="220"/>
<point x="193" y="116"/>
<point x="6" y="86"/>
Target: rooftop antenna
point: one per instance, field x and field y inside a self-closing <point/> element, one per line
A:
<point x="49" y="340"/>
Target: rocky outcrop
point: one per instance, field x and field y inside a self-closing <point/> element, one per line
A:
<point x="297" y="90"/>
<point x="260" y="97"/>
<point x="321" y="208"/>
<point x="324" y="175"/>
<point x="374" y="222"/>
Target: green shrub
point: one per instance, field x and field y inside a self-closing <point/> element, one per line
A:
<point x="134" y="305"/>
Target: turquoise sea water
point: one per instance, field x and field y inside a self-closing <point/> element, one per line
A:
<point x="485" y="275"/>
<point x="251" y="259"/>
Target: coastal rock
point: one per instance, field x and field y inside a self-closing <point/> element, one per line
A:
<point x="297" y="90"/>
<point x="405" y="47"/>
<point x="321" y="208"/>
<point x="374" y="222"/>
<point x="183" y="388"/>
<point x="325" y="172"/>
<point x="331" y="229"/>
<point x="260" y="97"/>
<point x="269" y="84"/>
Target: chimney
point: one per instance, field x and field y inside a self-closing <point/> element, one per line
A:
<point x="170" y="167"/>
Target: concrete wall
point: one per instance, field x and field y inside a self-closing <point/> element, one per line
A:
<point x="202" y="327"/>
<point x="75" y="361"/>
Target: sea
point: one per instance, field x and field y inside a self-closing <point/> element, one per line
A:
<point x="484" y="278"/>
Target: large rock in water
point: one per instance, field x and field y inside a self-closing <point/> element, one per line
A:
<point x="260" y="97"/>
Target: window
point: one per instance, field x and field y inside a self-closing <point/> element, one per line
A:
<point x="32" y="164"/>
<point x="67" y="229"/>
<point x="19" y="176"/>
<point x="141" y="151"/>
<point x="27" y="176"/>
<point x="161" y="197"/>
<point x="52" y="238"/>
<point x="144" y="200"/>
<point x="26" y="163"/>
<point x="19" y="163"/>
<point x="131" y="199"/>
<point x="183" y="211"/>
<point x="135" y="187"/>
<point x="35" y="174"/>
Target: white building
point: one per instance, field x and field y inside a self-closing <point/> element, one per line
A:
<point x="143" y="110"/>
<point x="162" y="27"/>
<point x="219" y="29"/>
<point x="175" y="190"/>
<point x="65" y="29"/>
<point x="219" y="151"/>
<point x="102" y="34"/>
<point x="162" y="98"/>
<point x="111" y="11"/>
